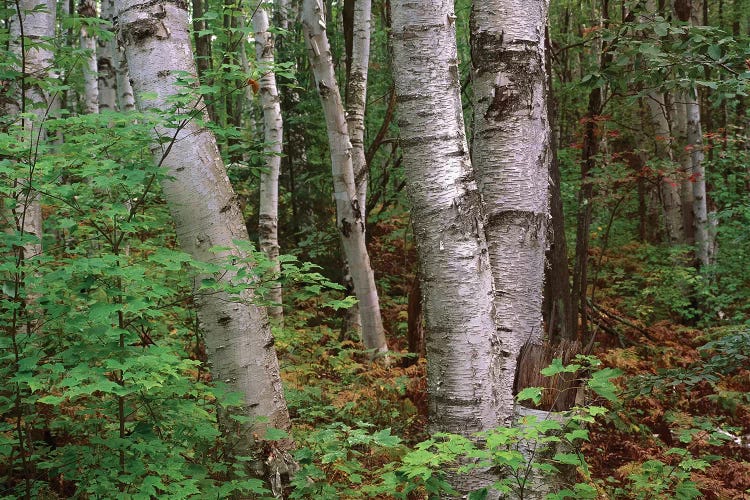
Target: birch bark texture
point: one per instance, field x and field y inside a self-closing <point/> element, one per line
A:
<point x="670" y="188"/>
<point x="349" y="212"/>
<point x="273" y="131"/>
<point x="206" y="213"/>
<point x="356" y="94"/>
<point x="465" y="357"/>
<point x="30" y="28"/>
<point x="105" y="62"/>
<point x="90" y="96"/>
<point x="511" y="155"/>
<point x="703" y="243"/>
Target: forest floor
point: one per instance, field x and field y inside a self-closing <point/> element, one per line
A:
<point x="680" y="429"/>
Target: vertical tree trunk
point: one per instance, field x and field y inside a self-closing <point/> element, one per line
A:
<point x="468" y="377"/>
<point x="206" y="215"/>
<point x="125" y="95"/>
<point x="268" y="226"/>
<point x="586" y="193"/>
<point x="31" y="27"/>
<point x="105" y="62"/>
<point x="559" y="314"/>
<point x="511" y="155"/>
<point x="87" y="10"/>
<point x="679" y="111"/>
<point x="350" y="214"/>
<point x="356" y="93"/>
<point x="357" y="33"/>
<point x="703" y="243"/>
<point x="670" y="182"/>
<point x="203" y="56"/>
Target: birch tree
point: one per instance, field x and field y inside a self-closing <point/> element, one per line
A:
<point x="273" y="129"/>
<point x="356" y="93"/>
<point x="466" y="360"/>
<point x="511" y="155"/>
<point x="687" y="11"/>
<point x="349" y="212"/>
<point x="206" y="214"/>
<point x="105" y="62"/>
<point x="31" y="27"/>
<point x="90" y="96"/>
<point x="670" y="185"/>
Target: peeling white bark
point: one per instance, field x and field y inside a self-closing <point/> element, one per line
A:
<point x="465" y="358"/>
<point x="29" y="27"/>
<point x="273" y="128"/>
<point x="511" y="156"/>
<point x="205" y="212"/>
<point x="350" y="214"/>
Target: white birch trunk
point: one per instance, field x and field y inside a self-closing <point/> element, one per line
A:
<point x="465" y="359"/>
<point x="511" y="156"/>
<point x="356" y="94"/>
<point x="356" y="100"/>
<point x="125" y="94"/>
<point x="90" y="96"/>
<point x="703" y="244"/>
<point x="350" y="214"/>
<point x="29" y="28"/>
<point x="670" y="183"/>
<point x="273" y="128"/>
<point x="105" y="62"/>
<point x="679" y="112"/>
<point x="206" y="214"/>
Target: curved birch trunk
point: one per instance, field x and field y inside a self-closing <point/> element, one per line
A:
<point x="350" y="214"/>
<point x="511" y="155"/>
<point x="465" y="358"/>
<point x="206" y="214"/>
<point x="273" y="127"/>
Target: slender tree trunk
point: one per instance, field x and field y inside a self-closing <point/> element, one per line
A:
<point x="586" y="193"/>
<point x="294" y="159"/>
<point x="125" y="95"/>
<point x="87" y="10"/>
<point x="670" y="182"/>
<point x="350" y="214"/>
<point x="32" y="25"/>
<point x="356" y="93"/>
<point x="703" y="243"/>
<point x="207" y="215"/>
<point x="511" y="155"/>
<point x="357" y="32"/>
<point x="203" y="58"/>
<point x="105" y="63"/>
<point x="268" y="226"/>
<point x="679" y="111"/>
<point x="585" y="200"/>
<point x="469" y="366"/>
<point x="559" y="314"/>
